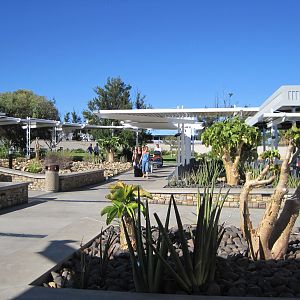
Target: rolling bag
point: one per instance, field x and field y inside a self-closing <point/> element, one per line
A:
<point x="138" y="172"/>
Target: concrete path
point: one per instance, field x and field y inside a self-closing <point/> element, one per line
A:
<point x="37" y="236"/>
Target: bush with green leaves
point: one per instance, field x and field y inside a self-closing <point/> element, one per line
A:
<point x="3" y="151"/>
<point x="228" y="140"/>
<point x="34" y="166"/>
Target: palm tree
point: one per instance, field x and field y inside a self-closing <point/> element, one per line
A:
<point x="125" y="199"/>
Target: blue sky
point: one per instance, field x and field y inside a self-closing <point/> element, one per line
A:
<point x="175" y="52"/>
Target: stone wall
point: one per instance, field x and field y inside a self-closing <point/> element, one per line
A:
<point x="258" y="199"/>
<point x="71" y="181"/>
<point x="36" y="181"/>
<point x="67" y="182"/>
<point x="12" y="194"/>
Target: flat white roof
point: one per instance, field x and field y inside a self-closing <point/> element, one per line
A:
<point x="170" y="118"/>
<point x="286" y="99"/>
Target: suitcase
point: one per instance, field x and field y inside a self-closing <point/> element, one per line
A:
<point x="138" y="172"/>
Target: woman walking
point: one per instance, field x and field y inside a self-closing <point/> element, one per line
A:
<point x="145" y="161"/>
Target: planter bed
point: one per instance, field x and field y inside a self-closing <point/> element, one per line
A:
<point x="188" y="196"/>
<point x="236" y="274"/>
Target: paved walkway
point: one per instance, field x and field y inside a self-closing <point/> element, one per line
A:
<point x="37" y="236"/>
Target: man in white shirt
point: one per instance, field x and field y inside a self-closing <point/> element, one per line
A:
<point x="157" y="148"/>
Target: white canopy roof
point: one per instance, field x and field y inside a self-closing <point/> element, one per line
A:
<point x="170" y="118"/>
<point x="284" y="100"/>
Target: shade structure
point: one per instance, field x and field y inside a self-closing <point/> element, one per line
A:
<point x="170" y="118"/>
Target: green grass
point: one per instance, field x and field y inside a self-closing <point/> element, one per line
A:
<point x="169" y="158"/>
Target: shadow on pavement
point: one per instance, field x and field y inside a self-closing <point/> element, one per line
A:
<point x="22" y="235"/>
<point x="21" y="206"/>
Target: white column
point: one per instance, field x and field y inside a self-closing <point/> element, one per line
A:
<point x="274" y="134"/>
<point x="264" y="139"/>
<point x="182" y="137"/>
<point x="28" y="132"/>
<point x="137" y="138"/>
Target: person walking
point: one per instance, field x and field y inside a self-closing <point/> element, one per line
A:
<point x="96" y="153"/>
<point x="145" y="161"/>
<point x="90" y="149"/>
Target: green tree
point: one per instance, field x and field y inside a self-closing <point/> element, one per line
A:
<point x="22" y="104"/>
<point x="67" y="118"/>
<point x="228" y="140"/>
<point x="125" y="202"/>
<point x="114" y="95"/>
<point x="72" y="117"/>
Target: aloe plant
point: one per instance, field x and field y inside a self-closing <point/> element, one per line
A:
<point x="148" y="269"/>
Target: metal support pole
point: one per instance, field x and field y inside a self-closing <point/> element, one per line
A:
<point x="182" y="145"/>
<point x="10" y="157"/>
<point x="294" y="111"/>
<point x="264" y="139"/>
<point x="28" y="131"/>
<point x="137" y="138"/>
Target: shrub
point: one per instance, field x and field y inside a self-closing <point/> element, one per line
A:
<point x="79" y="150"/>
<point x="206" y="174"/>
<point x="34" y="166"/>
<point x="3" y="151"/>
<point x="61" y="158"/>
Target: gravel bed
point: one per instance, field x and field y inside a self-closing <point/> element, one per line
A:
<point x="236" y="274"/>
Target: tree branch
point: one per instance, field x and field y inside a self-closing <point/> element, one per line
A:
<point x="263" y="172"/>
<point x="294" y="156"/>
<point x="238" y="154"/>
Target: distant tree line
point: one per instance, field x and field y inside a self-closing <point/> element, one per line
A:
<point x="115" y="94"/>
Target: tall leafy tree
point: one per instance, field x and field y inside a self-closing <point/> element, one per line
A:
<point x="22" y="104"/>
<point x="114" y="95"/>
<point x="140" y="103"/>
<point x="229" y="139"/>
<point x="72" y="117"/>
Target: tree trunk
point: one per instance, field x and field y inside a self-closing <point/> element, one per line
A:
<point x="110" y="156"/>
<point x="130" y="229"/>
<point x="252" y="235"/>
<point x="270" y="217"/>
<point x="272" y="236"/>
<point x="281" y="234"/>
<point x="232" y="173"/>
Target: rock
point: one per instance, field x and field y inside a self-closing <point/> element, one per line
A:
<point x="294" y="286"/>
<point x="242" y="262"/>
<point x="236" y="291"/>
<point x="57" y="279"/>
<point x="254" y="291"/>
<point x="52" y="284"/>
<point x="213" y="289"/>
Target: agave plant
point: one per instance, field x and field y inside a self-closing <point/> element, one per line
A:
<point x="195" y="270"/>
<point x="125" y="202"/>
<point x="148" y="268"/>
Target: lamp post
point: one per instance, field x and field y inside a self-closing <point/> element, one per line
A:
<point x="10" y="157"/>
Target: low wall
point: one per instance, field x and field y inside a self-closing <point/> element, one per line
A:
<point x="12" y="194"/>
<point x="36" y="181"/>
<point x="67" y="182"/>
<point x="258" y="198"/>
<point x="71" y="181"/>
